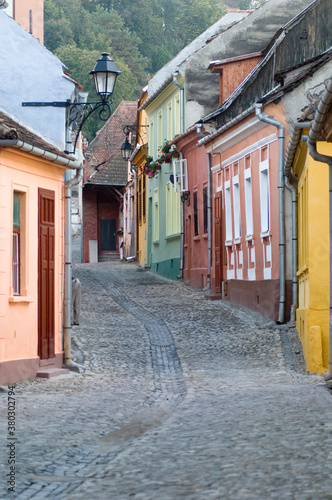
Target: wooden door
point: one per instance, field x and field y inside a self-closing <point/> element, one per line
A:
<point x="218" y="246"/>
<point x="46" y="257"/>
<point x="107" y="235"/>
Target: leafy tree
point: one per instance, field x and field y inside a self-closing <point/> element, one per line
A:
<point x="140" y="36"/>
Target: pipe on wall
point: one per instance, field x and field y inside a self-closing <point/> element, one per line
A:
<point x="68" y="269"/>
<point x="182" y="214"/>
<point x="209" y="210"/>
<point x="281" y="186"/>
<point x="291" y="184"/>
<point x="41" y="153"/>
<point x="316" y="127"/>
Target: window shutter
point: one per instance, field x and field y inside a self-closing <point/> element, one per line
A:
<point x="181" y="175"/>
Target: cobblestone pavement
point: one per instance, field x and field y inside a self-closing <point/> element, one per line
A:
<point x="177" y="397"/>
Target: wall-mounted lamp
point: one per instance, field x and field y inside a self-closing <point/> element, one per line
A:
<point x="105" y="74"/>
<point x="127" y="148"/>
<point x="185" y="196"/>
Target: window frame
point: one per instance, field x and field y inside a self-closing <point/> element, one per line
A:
<point x="264" y="187"/>
<point x="18" y="276"/>
<point x="195" y="211"/>
<point x="205" y="209"/>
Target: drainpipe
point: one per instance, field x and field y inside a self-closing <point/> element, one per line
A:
<point x="322" y="110"/>
<point x="291" y="184"/>
<point x="68" y="269"/>
<point x="282" y="281"/>
<point x="182" y="214"/>
<point x="209" y="210"/>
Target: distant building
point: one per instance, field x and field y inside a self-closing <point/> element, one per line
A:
<point x="29" y="14"/>
<point x="105" y="178"/>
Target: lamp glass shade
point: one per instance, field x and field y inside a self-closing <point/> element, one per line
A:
<point x="126" y="149"/>
<point x="105" y="74"/>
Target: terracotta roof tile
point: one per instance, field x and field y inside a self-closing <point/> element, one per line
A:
<point x="104" y="162"/>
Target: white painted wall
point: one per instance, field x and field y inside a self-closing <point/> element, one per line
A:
<point x="30" y="72"/>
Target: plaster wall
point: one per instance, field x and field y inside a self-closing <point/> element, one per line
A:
<point x="31" y="73"/>
<point x="195" y="246"/>
<point x="251" y="257"/>
<point x="305" y="93"/>
<point x="312" y="315"/>
<point x="19" y="314"/>
<point x="165" y="252"/>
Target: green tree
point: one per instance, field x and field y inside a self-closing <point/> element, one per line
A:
<point x="140" y="36"/>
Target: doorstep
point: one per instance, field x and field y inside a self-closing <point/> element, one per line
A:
<point x="51" y="372"/>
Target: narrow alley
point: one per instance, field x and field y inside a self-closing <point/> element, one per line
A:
<point x="177" y="397"/>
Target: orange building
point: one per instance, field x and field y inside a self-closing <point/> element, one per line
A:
<point x="32" y="213"/>
<point x="29" y="14"/>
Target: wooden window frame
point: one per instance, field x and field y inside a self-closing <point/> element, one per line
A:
<point x="205" y="209"/>
<point x="195" y="207"/>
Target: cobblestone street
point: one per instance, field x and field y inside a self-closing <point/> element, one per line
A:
<point x="177" y="397"/>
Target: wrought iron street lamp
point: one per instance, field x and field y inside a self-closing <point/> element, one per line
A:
<point x="127" y="148"/>
<point x="105" y="74"/>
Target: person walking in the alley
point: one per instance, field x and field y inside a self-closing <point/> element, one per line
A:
<point x="76" y="300"/>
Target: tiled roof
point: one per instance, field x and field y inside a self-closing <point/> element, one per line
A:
<point x="10" y="129"/>
<point x="104" y="151"/>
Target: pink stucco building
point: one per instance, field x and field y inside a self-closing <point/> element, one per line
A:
<point x="31" y="252"/>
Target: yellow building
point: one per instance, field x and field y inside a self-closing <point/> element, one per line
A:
<point x="139" y="160"/>
<point x="312" y="315"/>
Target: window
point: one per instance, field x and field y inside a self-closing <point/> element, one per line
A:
<point x="139" y="201"/>
<point x="205" y="209"/>
<point x="228" y="212"/>
<point x="151" y="139"/>
<point x="303" y="222"/>
<point x="18" y="244"/>
<point x="156" y="215"/>
<point x="177" y="115"/>
<point x="173" y="212"/>
<point x="144" y="198"/>
<point x="160" y="129"/>
<point x="237" y="207"/>
<point x="248" y="202"/>
<point x="169" y="121"/>
<point x="264" y="196"/>
<point x="195" y="203"/>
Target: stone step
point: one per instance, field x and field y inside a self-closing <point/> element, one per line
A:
<point x="107" y="257"/>
<point x="51" y="372"/>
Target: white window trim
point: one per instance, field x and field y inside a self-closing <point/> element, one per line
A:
<point x="265" y="209"/>
<point x="228" y="212"/>
<point x="248" y="203"/>
<point x="236" y="209"/>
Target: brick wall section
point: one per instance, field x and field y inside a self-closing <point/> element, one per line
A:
<point x="90" y="228"/>
<point x="104" y="151"/>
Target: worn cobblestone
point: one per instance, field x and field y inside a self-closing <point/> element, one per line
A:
<point x="179" y="397"/>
